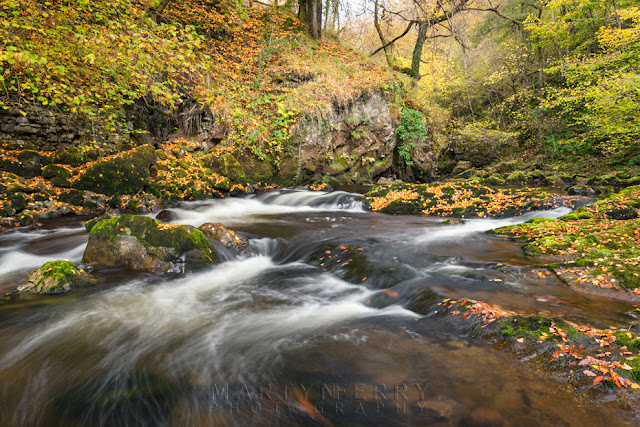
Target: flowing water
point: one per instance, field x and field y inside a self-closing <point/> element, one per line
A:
<point x="262" y="340"/>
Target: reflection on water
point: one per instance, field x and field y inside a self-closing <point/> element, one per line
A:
<point x="274" y="339"/>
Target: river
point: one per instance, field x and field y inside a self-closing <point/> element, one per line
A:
<point x="279" y="339"/>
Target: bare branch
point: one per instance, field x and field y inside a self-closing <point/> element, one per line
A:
<point x="404" y="33"/>
<point x="497" y="12"/>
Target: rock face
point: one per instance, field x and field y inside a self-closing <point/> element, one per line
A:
<point x="229" y="238"/>
<point x="55" y="277"/>
<point x="126" y="173"/>
<point x="39" y="129"/>
<point x="353" y="144"/>
<point x="142" y="243"/>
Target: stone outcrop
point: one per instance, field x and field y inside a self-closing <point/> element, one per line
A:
<point x="352" y="144"/>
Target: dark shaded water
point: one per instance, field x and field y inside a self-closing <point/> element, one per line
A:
<point x="260" y="340"/>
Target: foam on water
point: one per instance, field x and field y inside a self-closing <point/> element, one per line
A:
<point x="235" y="210"/>
<point x="136" y="320"/>
<point x="474" y="226"/>
<point x="18" y="260"/>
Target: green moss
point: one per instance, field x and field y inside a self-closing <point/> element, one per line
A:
<point x="231" y="168"/>
<point x="55" y="171"/>
<point x="495" y="180"/>
<point x="539" y="220"/>
<point x="534" y="326"/>
<point x="154" y="236"/>
<point x="18" y="201"/>
<point x="632" y="344"/>
<point x="124" y="174"/>
<point x="516" y="177"/>
<point x="53" y="277"/>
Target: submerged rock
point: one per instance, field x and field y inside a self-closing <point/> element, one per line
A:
<point x="55" y="277"/>
<point x="142" y="243"/>
<point x="115" y="398"/>
<point x="229" y="238"/>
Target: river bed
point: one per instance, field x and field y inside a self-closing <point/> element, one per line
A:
<point x="275" y="339"/>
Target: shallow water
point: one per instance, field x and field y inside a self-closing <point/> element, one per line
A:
<point x="254" y="340"/>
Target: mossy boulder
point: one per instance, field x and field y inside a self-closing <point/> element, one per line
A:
<point x="580" y="190"/>
<point x="26" y="163"/>
<point x="126" y="173"/>
<point x="18" y="201"/>
<point x="462" y="166"/>
<point x="6" y="210"/>
<point x="256" y="169"/>
<point x="30" y="163"/>
<point x="57" y="174"/>
<point x="55" y="277"/>
<point x="495" y="179"/>
<point x="232" y="169"/>
<point x="516" y="177"/>
<point x="142" y="243"/>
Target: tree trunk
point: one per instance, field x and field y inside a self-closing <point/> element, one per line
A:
<point x="302" y="11"/>
<point x="310" y="13"/>
<point x="387" y="46"/>
<point x="417" y="50"/>
<point x="327" y="5"/>
<point x="318" y="18"/>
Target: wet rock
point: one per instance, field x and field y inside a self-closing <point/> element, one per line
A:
<point x="165" y="216"/>
<point x="126" y="173"/>
<point x="55" y="277"/>
<point x="581" y="190"/>
<point x="423" y="301"/>
<point x="142" y="243"/>
<point x="453" y="221"/>
<point x="229" y="238"/>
